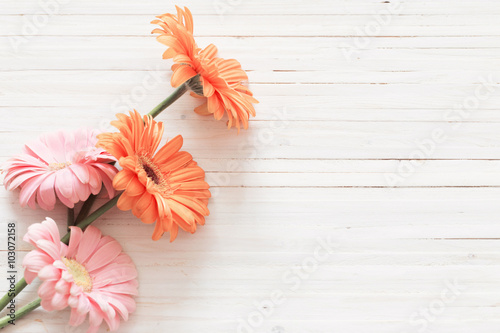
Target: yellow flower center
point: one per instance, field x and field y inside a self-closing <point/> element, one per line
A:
<point x="80" y="275"/>
<point x="154" y="173"/>
<point x="58" y="166"/>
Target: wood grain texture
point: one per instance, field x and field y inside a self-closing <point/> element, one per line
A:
<point x="378" y="134"/>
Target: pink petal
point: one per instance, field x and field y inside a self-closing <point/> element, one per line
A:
<point x="81" y="172"/>
<point x="74" y="241"/>
<point x="76" y="319"/>
<point x="113" y="322"/>
<point x="27" y="196"/>
<point x="126" y="300"/>
<point x="41" y="151"/>
<point x="47" y="304"/>
<point x="36" y="260"/>
<point x="88" y="243"/>
<point x="95" y="315"/>
<point x="98" y="298"/>
<point x="49" y="247"/>
<point x="59" y="301"/>
<point x="72" y="300"/>
<point x="25" y="177"/>
<point x="109" y="170"/>
<point x="64" y="182"/>
<point x="108" y="183"/>
<point x="95" y="181"/>
<point x="38" y="231"/>
<point x="82" y="191"/>
<point x="64" y="250"/>
<point x="103" y="256"/>
<point x="49" y="272"/>
<point x="66" y="201"/>
<point x="123" y="258"/>
<point x="128" y="288"/>
<point x="75" y="290"/>
<point x="70" y="144"/>
<point x="46" y="195"/>
<point x="114" y="274"/>
<point x="83" y="304"/>
<point x="12" y="173"/>
<point x="51" y="227"/>
<point x="104" y="240"/>
<point x="55" y="143"/>
<point x="62" y="287"/>
<point x="46" y="289"/>
<point x="29" y="276"/>
<point x="124" y="304"/>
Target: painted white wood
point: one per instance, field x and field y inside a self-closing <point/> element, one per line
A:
<point x="340" y="150"/>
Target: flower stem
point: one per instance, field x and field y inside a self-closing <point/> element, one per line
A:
<point x="94" y="216"/>
<point x="169" y="100"/>
<point x="84" y="211"/>
<point x="20" y="313"/>
<point x="71" y="217"/>
<point x="10" y="295"/>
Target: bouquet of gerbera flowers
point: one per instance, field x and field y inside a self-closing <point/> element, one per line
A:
<point x="164" y="186"/>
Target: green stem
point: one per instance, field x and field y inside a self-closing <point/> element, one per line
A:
<point x="20" y="313"/>
<point x="84" y="211"/>
<point x="83" y="224"/>
<point x="71" y="217"/>
<point x="169" y="100"/>
<point x="94" y="216"/>
<point x="10" y="295"/>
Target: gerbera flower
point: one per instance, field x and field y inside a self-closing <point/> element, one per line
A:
<point x="63" y="165"/>
<point x="165" y="186"/>
<point x="91" y="275"/>
<point x="218" y="80"/>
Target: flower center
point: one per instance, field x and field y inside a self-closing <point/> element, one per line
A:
<point x="151" y="174"/>
<point x="58" y="166"/>
<point x="80" y="275"/>
<point x="154" y="173"/>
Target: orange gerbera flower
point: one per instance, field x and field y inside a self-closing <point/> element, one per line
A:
<point x="218" y="80"/>
<point x="165" y="186"/>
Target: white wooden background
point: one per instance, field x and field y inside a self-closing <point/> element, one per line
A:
<point x="330" y="131"/>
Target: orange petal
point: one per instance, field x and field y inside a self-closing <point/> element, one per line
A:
<point x="144" y="202"/>
<point x="169" y="149"/>
<point x="135" y="187"/>
<point x="210" y="51"/>
<point x="183" y="224"/>
<point x="125" y="202"/>
<point x="158" y="232"/>
<point x="178" y="160"/>
<point x="182" y="211"/>
<point x="208" y="89"/>
<point x="150" y="214"/>
<point x="192" y="204"/>
<point x="203" y="110"/>
<point x="181" y="75"/>
<point x="197" y="185"/>
<point x="173" y="232"/>
<point x="188" y="174"/>
<point x="128" y="162"/>
<point x="122" y="179"/>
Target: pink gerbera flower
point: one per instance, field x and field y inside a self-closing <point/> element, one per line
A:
<point x="91" y="275"/>
<point x="62" y="164"/>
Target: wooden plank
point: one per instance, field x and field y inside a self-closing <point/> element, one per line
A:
<point x="294" y="7"/>
<point x="260" y="25"/>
